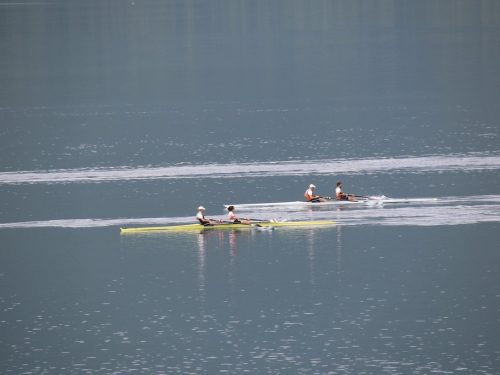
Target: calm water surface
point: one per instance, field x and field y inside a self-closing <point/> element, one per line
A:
<point x="133" y="114"/>
<point x="358" y="300"/>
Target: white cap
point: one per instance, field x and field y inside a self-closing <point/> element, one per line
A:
<point x="201" y="208"/>
<point x="312" y="186"/>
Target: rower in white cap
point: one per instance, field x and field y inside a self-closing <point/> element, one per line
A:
<point x="311" y="197"/>
<point x="205" y="221"/>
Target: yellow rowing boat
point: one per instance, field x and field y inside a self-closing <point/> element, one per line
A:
<point x="227" y="226"/>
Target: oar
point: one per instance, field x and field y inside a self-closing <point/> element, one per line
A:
<point x="256" y="224"/>
<point x="266" y="221"/>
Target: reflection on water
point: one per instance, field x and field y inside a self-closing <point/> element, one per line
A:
<point x="177" y="50"/>
<point x="201" y="269"/>
<point x="318" y="300"/>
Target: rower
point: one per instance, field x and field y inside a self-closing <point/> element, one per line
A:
<point x="205" y="221"/>
<point x="236" y="220"/>
<point x="311" y="197"/>
<point x="341" y="196"/>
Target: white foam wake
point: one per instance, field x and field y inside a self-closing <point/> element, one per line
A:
<point x="436" y="163"/>
<point x="445" y="211"/>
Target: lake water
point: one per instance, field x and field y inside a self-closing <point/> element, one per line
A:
<point x="123" y="114"/>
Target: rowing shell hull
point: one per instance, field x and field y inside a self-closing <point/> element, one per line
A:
<point x="331" y="202"/>
<point x="226" y="226"/>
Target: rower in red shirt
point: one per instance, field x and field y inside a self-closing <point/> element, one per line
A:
<point x="309" y="194"/>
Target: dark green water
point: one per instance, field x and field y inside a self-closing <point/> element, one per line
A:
<point x="118" y="114"/>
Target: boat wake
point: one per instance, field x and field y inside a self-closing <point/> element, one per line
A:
<point x="96" y="223"/>
<point x="437" y="163"/>
<point x="445" y="211"/>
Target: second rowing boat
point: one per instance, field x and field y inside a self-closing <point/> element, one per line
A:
<point x="331" y="202"/>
